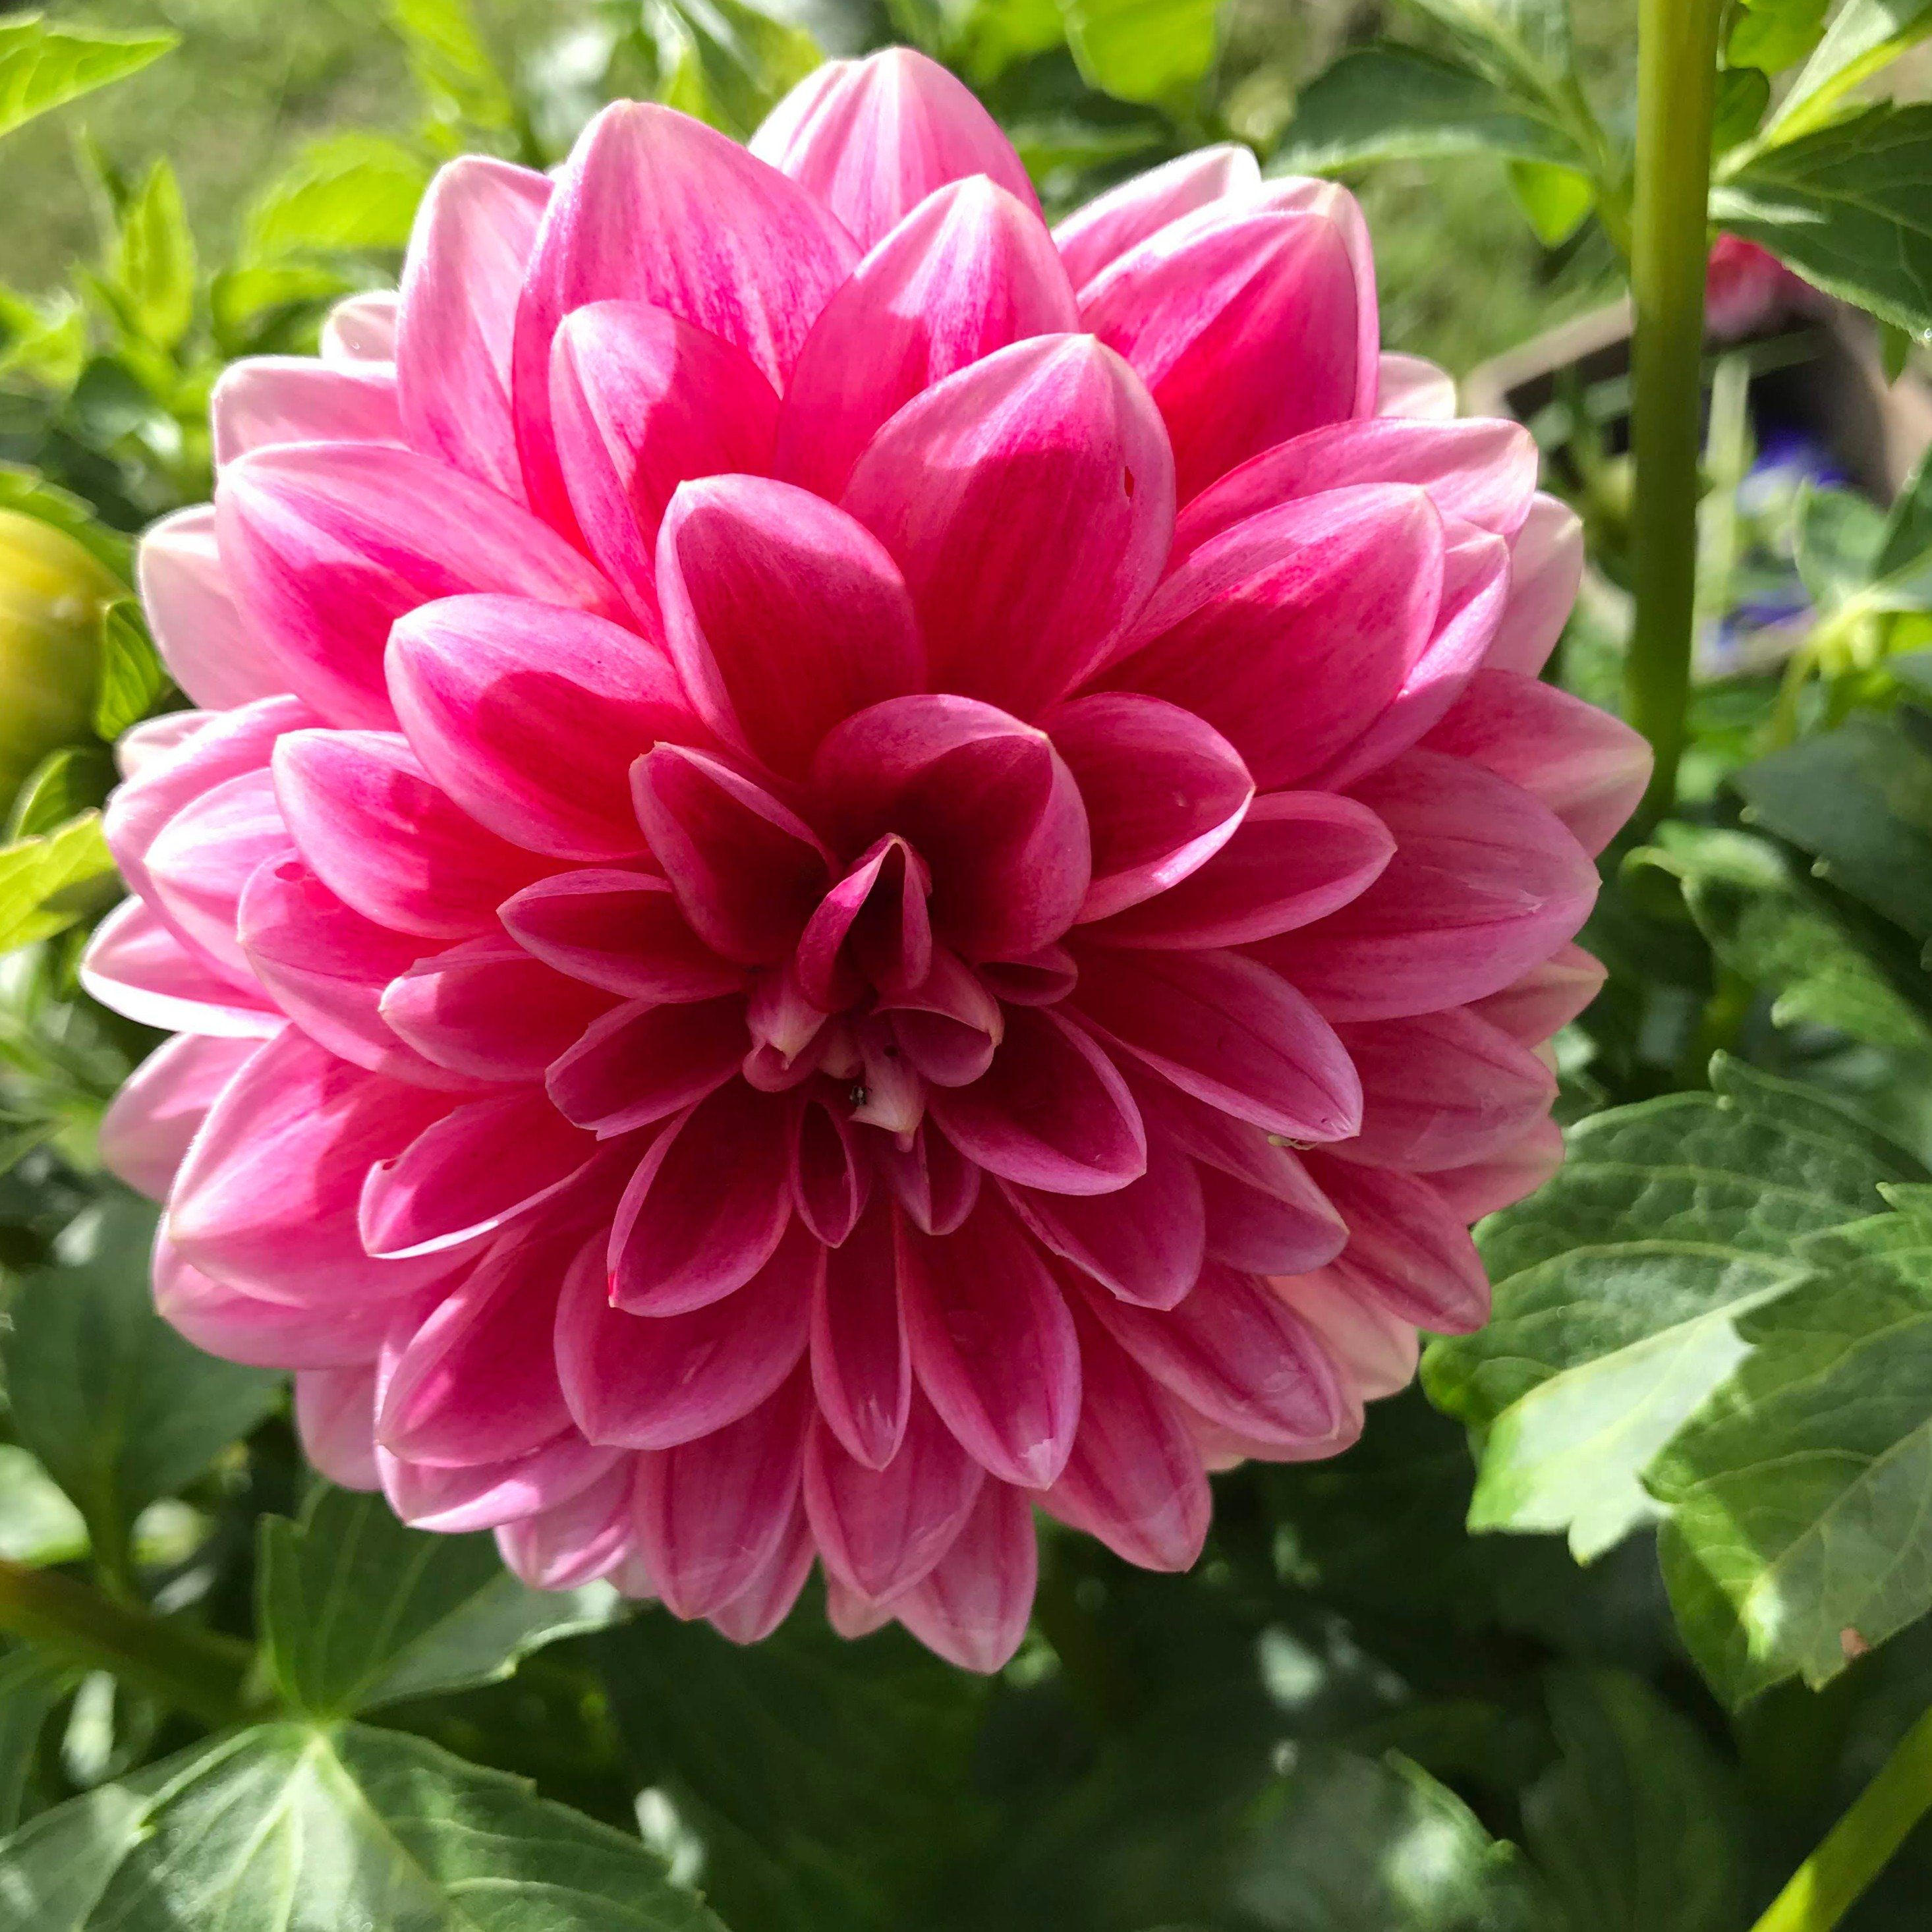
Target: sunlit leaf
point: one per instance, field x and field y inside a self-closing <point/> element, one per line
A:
<point x="1153" y="51"/>
<point x="346" y="191"/>
<point x="43" y="67"/>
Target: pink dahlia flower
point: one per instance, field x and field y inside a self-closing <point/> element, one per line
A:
<point x="849" y="868"/>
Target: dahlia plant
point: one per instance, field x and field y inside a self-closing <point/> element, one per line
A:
<point x="846" y="866"/>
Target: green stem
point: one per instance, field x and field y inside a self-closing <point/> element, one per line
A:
<point x="1677" y="85"/>
<point x="1859" y="1847"/>
<point x="197" y="1671"/>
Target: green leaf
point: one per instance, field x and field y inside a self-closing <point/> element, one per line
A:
<point x="1743" y="94"/>
<point x="134" y="682"/>
<point x="1349" y="1843"/>
<point x="1618" y="1285"/>
<point x="1156" y="52"/>
<point x="1802" y="1491"/>
<point x="1867" y="36"/>
<point x="1840" y="534"/>
<point x="30" y="1685"/>
<point x="1847" y="207"/>
<point x="116" y="1406"/>
<point x="37" y="1523"/>
<point x="46" y="341"/>
<point x="1771" y="35"/>
<point x="346" y="191"/>
<point x="452" y="68"/>
<point x="1525" y="38"/>
<point x="1904" y="562"/>
<point x="1557" y="200"/>
<point x="65" y="783"/>
<point x="46" y="883"/>
<point x="317" y="1830"/>
<point x="1637" y="1827"/>
<point x="1394" y="104"/>
<point x="43" y="67"/>
<point x="730" y="63"/>
<point x="153" y="265"/>
<point x="30" y="494"/>
<point x="356" y="1610"/>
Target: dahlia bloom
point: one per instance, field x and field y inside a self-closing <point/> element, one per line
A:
<point x="847" y="867"/>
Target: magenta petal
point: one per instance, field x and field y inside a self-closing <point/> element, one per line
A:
<point x="1051" y="1112"/>
<point x="1511" y="1174"/>
<point x="1246" y="326"/>
<point x="640" y="1063"/>
<point x="576" y="1541"/>
<point x="1408" y="1249"/>
<point x="1268" y="1231"/>
<point x="134" y="965"/>
<point x="265" y="1334"/>
<point x="487" y="1010"/>
<point x="766" y="1600"/>
<point x="530" y="718"/>
<point x="1226" y="1030"/>
<point x="1589" y="768"/>
<point x="641" y="402"/>
<point x="204" y="639"/>
<point x="1236" y="1352"/>
<point x="968" y="271"/>
<point x="1164" y="792"/>
<point x="1485" y="883"/>
<point x="932" y="1180"/>
<point x="880" y="1530"/>
<point x="654" y="207"/>
<point x="327" y="544"/>
<point x="861" y="1361"/>
<point x="972" y="1606"/>
<point x="1029" y="500"/>
<point x="831" y="1179"/>
<point x="1547" y="997"/>
<point x="266" y="1200"/>
<point x="782" y="614"/>
<point x="1290" y="633"/>
<point x="710" y="1513"/>
<point x="681" y="1240"/>
<point x="620" y="931"/>
<point x="871" y="138"/>
<point x="465" y="1175"/>
<point x="454" y="1499"/>
<point x="871" y="929"/>
<point x="381" y="834"/>
<point x="651" y="1382"/>
<point x="1296" y="857"/>
<point x="746" y="869"/>
<point x="1145" y="1242"/>
<point x="335" y="1418"/>
<point x="993" y="1345"/>
<point x="1135" y="1479"/>
<point x="197" y="868"/>
<point x="146" y="1131"/>
<point x="986" y="802"/>
<point x="1124" y="216"/>
<point x="268" y="399"/>
<point x="950" y="1028"/>
<point x="472" y="242"/>
<point x="1546" y="571"/>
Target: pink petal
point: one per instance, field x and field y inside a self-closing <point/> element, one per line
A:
<point x="473" y="236"/>
<point x="1164" y="792"/>
<point x="154" y="740"/>
<point x="269" y="399"/>
<point x="1512" y="1175"/>
<point x="134" y="965"/>
<point x="197" y="869"/>
<point x="993" y="1345"/>
<point x="146" y="1131"/>
<point x="831" y="1179"/>
<point x="1296" y="857"/>
<point x="782" y="615"/>
<point x="264" y="1334"/>
<point x="641" y="402"/>
<point x="1112" y="223"/>
<point x="1292" y="632"/>
<point x="1415" y="389"/>
<point x="1485" y="883"/>
<point x="681" y="1240"/>
<point x="1143" y="1242"/>
<point x="1051" y="1112"/>
<point x="932" y="1180"/>
<point x="987" y="803"/>
<point x="641" y="1063"/>
<point x="1271" y="1230"/>
<point x="206" y="643"/>
<point x="872" y="928"/>
<point x="531" y="717"/>
<point x="861" y="1363"/>
<point x="266" y="1200"/>
<point x="327" y="544"/>
<point x="651" y="1382"/>
<point x="969" y="270"/>
<point x="360" y="328"/>
<point x="1481" y="471"/>
<point x="950" y="1028"/>
<point x="972" y="1606"/>
<point x="455" y="1500"/>
<point x="871" y="138"/>
<point x="335" y="1417"/>
<point x="1029" y="500"/>
<point x="746" y="869"/>
<point x="1546" y="998"/>
<point x="1589" y="768"/>
<point x="710" y="1513"/>
<point x="1236" y="1352"/>
<point x="651" y="206"/>
<point x="382" y="835"/>
<point x="1135" y="1479"/>
<point x="1408" y="1248"/>
<point x="1244" y="325"/>
<point x="488" y="1011"/>
<point x="1227" y="1030"/>
<point x="1375" y="1351"/>
<point x="1333" y="202"/>
<point x="620" y="931"/>
<point x="766" y="1600"/>
<point x="1546" y="572"/>
<point x="575" y="1541"/>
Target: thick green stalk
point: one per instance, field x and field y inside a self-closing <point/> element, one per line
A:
<point x="197" y="1671"/>
<point x="1857" y="1849"/>
<point x="1677" y="83"/>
